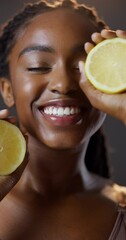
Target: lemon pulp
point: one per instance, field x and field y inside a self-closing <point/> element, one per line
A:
<point x="12" y="147"/>
<point x="105" y="65"/>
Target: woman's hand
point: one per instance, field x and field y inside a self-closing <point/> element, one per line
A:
<point x="112" y="104"/>
<point x="99" y="37"/>
<point x="9" y="181"/>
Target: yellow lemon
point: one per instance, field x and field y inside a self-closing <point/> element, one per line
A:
<point x="12" y="147"/>
<point x="105" y="65"/>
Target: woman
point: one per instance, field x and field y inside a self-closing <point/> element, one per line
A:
<point x="57" y="196"/>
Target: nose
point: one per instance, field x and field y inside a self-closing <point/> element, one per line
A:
<point x="63" y="81"/>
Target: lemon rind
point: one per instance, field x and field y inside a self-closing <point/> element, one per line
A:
<point x="104" y="88"/>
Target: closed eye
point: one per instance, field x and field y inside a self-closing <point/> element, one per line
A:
<point x="39" y="69"/>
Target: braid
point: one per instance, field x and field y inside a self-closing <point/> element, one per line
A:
<point x="12" y="29"/>
<point x="96" y="158"/>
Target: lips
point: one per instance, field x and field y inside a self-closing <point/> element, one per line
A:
<point x="61" y="113"/>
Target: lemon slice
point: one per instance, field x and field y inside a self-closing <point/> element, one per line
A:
<point x="105" y="65"/>
<point x="12" y="147"/>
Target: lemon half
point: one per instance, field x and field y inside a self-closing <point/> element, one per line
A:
<point x="12" y="147"/>
<point x="105" y="65"/>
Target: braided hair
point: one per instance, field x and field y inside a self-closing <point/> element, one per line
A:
<point x="96" y="158"/>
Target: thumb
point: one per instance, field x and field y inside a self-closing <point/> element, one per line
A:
<point x="85" y="85"/>
<point x="82" y="71"/>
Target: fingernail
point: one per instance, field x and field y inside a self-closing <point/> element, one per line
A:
<point x="3" y="112"/>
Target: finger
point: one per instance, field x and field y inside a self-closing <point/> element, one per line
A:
<point x="92" y="93"/>
<point x="96" y="38"/>
<point x="88" y="47"/>
<point x="112" y="104"/>
<point x="87" y="87"/>
<point x="12" y="119"/>
<point x="4" y="113"/>
<point x="82" y="71"/>
<point x="121" y="34"/>
<point x="108" y="34"/>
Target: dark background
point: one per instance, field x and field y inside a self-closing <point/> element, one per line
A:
<point x="114" y="14"/>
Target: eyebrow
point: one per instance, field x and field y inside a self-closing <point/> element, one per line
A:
<point x="38" y="48"/>
<point x="48" y="49"/>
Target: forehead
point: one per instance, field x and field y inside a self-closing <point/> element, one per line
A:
<point x="62" y="18"/>
<point x="57" y="26"/>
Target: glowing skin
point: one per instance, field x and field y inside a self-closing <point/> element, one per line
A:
<point x="44" y="67"/>
<point x="52" y="198"/>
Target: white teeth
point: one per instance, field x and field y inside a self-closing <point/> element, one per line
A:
<point x="72" y="111"/>
<point x="61" y="111"/>
<point x="46" y="110"/>
<point x="55" y="111"/>
<point x="67" y="111"/>
<point x="50" y="109"/>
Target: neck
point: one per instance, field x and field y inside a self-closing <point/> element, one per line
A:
<point x="55" y="172"/>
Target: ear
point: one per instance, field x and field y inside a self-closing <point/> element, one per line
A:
<point x="6" y="92"/>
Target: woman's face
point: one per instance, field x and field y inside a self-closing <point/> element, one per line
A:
<point x="45" y="79"/>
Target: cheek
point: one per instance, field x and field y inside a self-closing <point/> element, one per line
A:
<point x="21" y="85"/>
<point x="24" y="94"/>
<point x="25" y="89"/>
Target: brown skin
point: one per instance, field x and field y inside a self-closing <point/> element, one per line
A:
<point x="52" y="199"/>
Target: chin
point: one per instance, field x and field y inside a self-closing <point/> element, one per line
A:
<point x="66" y="141"/>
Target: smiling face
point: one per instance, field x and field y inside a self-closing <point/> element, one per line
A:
<point x="45" y="79"/>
